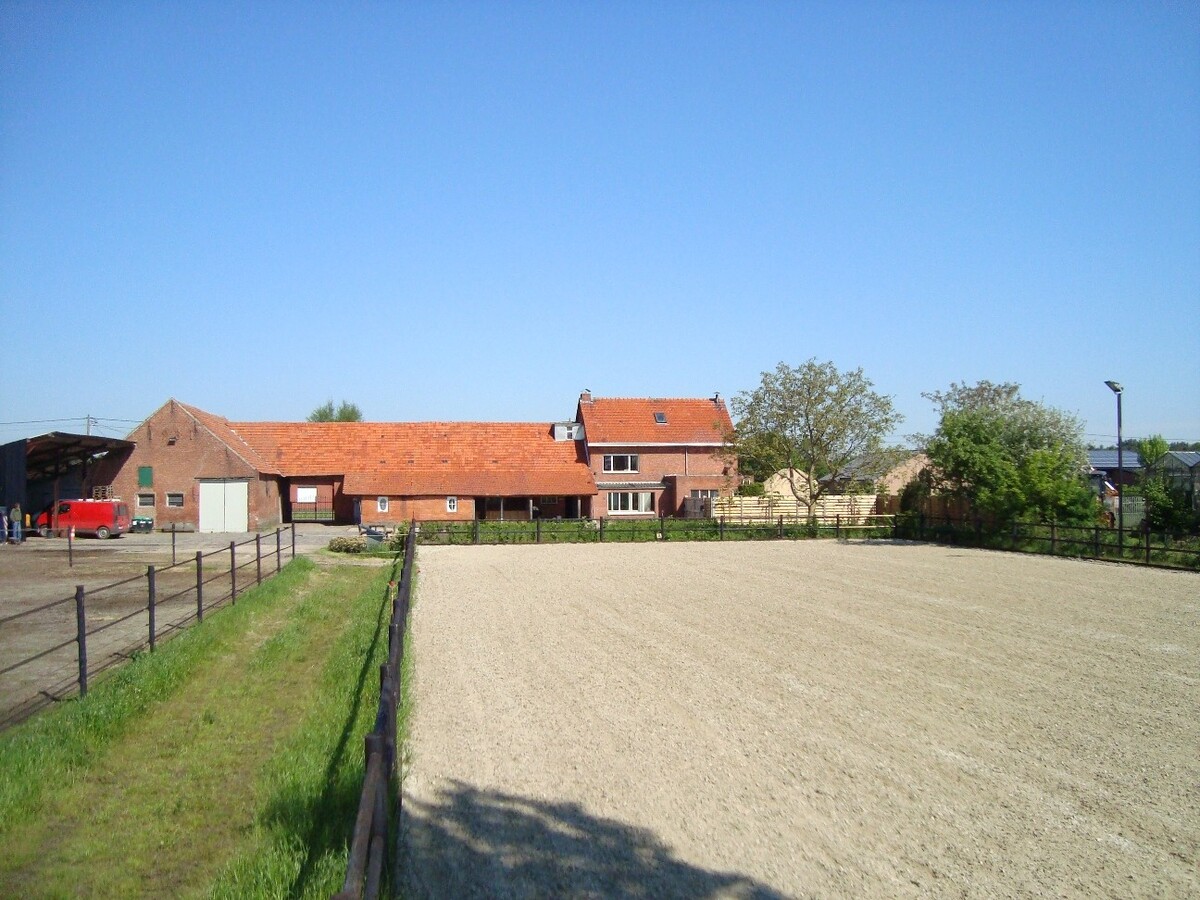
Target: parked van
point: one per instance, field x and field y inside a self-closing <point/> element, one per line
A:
<point x="102" y="518"/>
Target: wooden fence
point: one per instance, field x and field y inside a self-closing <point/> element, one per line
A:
<point x="369" y="842"/>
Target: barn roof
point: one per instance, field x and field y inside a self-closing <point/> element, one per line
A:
<point x="424" y="458"/>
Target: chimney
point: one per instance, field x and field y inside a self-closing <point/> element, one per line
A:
<point x="586" y="396"/>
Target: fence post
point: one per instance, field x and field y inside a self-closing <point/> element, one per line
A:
<point x="921" y="526"/>
<point x="474" y="530"/>
<point x="293" y="540"/>
<point x="1053" y="537"/>
<point x="781" y="526"/>
<point x="258" y="555"/>
<point x="278" y="550"/>
<point x="199" y="586"/>
<point x="1096" y="542"/>
<point x="837" y="527"/>
<point x="1147" y="546"/>
<point x="662" y="528"/>
<point x="233" y="572"/>
<point x="173" y="560"/>
<point x="150" y="591"/>
<point x="70" y="547"/>
<point x="81" y="638"/>
<point x="538" y="529"/>
<point x="602" y="529"/>
<point x="721" y="528"/>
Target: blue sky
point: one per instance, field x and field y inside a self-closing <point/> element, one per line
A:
<point x="474" y="211"/>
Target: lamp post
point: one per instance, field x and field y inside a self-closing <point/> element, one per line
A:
<point x="1116" y="388"/>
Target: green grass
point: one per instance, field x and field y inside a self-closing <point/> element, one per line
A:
<point x="229" y="762"/>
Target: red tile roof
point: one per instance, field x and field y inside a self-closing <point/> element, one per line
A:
<point x="618" y="420"/>
<point x="493" y="459"/>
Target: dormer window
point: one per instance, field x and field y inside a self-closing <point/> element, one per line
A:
<point x="660" y="418"/>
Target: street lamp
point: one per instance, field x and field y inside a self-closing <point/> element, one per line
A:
<point x="1116" y="388"/>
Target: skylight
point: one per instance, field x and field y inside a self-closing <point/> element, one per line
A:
<point x="660" y="418"/>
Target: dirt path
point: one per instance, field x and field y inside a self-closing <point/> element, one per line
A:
<point x="801" y="719"/>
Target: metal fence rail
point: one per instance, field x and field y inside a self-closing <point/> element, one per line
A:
<point x="1084" y="542"/>
<point x="369" y="842"/>
<point x="216" y="567"/>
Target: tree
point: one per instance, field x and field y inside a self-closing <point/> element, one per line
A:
<point x="1152" y="449"/>
<point x="345" y="412"/>
<point x="809" y="422"/>
<point x="1010" y="457"/>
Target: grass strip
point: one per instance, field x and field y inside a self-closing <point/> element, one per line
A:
<point x="310" y="789"/>
<point x="57" y="746"/>
<point x="225" y="768"/>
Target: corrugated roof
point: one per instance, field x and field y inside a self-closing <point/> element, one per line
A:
<point x="1189" y="458"/>
<point x="618" y="420"/>
<point x="1107" y="459"/>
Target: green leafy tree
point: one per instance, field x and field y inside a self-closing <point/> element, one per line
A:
<point x="345" y="412"/>
<point x="1152" y="449"/>
<point x="1010" y="457"/>
<point x="809" y="422"/>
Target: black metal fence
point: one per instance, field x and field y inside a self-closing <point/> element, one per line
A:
<point x="620" y="530"/>
<point x="369" y="843"/>
<point x="169" y="597"/>
<point x="1084" y="542"/>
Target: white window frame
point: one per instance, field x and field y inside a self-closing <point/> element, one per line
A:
<point x="451" y="504"/>
<point x="631" y="462"/>
<point x="171" y="495"/>
<point x="630" y="503"/>
<point x="705" y="493"/>
<point x="141" y="498"/>
<point x="381" y="504"/>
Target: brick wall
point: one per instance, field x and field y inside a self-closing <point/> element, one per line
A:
<point x="177" y="450"/>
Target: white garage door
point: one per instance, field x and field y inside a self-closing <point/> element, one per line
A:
<point x="224" y="506"/>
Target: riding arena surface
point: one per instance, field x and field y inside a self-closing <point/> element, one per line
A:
<point x="795" y="719"/>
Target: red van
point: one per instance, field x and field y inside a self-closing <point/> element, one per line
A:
<point x="102" y="518"/>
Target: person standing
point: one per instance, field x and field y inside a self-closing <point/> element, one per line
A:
<point x="3" y="526"/>
<point x="14" y="522"/>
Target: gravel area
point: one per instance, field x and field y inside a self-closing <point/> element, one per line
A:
<point x="801" y="719"/>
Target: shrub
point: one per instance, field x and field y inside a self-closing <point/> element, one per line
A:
<point x="348" y="544"/>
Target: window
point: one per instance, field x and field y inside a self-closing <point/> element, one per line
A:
<point x="145" y="499"/>
<point x="631" y="502"/>
<point x="146" y="477"/>
<point x="381" y="504"/>
<point x="547" y="501"/>
<point x="706" y="494"/>
<point x="451" y="504"/>
<point x="621" y="462"/>
<point x="306" y="495"/>
<point x="175" y="500"/>
<point x="660" y="418"/>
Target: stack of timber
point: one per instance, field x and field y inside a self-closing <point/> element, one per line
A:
<point x="849" y="509"/>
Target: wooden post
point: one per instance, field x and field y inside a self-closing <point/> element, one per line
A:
<point x="258" y="556"/>
<point x="475" y="527"/>
<point x="538" y="529"/>
<point x="173" y="560"/>
<point x="71" y="547"/>
<point x="278" y="550"/>
<point x="199" y="586"/>
<point x="1147" y="546"/>
<point x="837" y="527"/>
<point x="1053" y="537"/>
<point x="150" y="591"/>
<point x="602" y="529"/>
<point x="781" y="526"/>
<point x="293" y="540"/>
<point x="81" y="638"/>
<point x="232" y="572"/>
<point x="721" y="528"/>
<point x="1096" y="542"/>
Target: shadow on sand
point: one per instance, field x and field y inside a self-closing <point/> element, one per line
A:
<point x="477" y="843"/>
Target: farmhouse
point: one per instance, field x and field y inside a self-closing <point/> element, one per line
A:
<point x="187" y="468"/>
<point x="651" y="456"/>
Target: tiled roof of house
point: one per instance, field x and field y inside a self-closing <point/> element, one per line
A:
<point x="425" y="458"/>
<point x="618" y="420"/>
